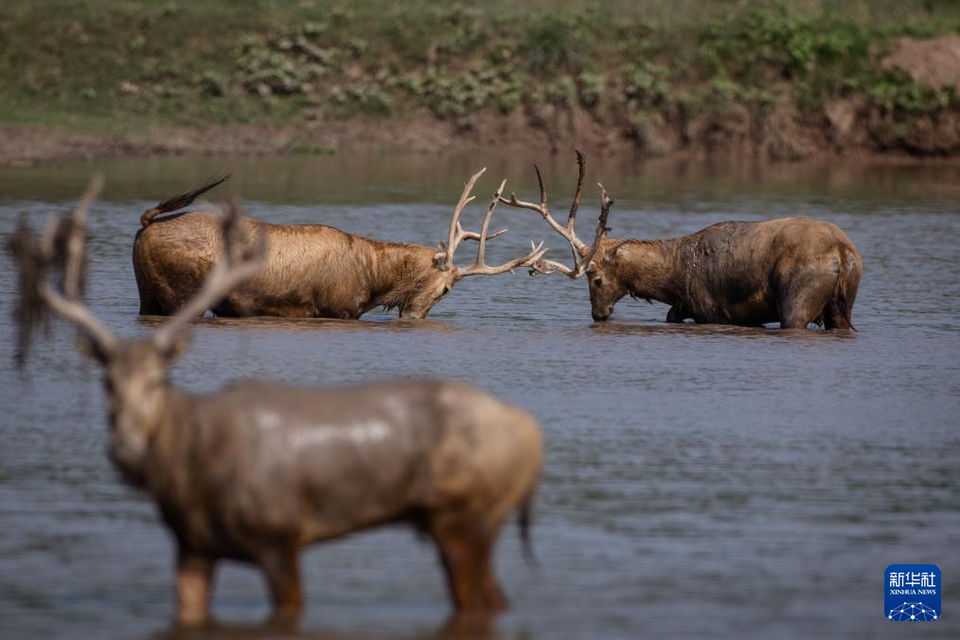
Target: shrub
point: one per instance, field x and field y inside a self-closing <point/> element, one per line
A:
<point x="557" y="43"/>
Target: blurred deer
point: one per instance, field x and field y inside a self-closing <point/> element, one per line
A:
<point x="258" y="470"/>
<point x="794" y="271"/>
<point x="310" y="270"/>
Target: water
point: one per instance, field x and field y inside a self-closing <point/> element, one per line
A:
<point x="700" y="480"/>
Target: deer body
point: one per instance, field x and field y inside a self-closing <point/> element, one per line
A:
<point x="792" y="270"/>
<point x="305" y="465"/>
<point x="258" y="470"/>
<point x="309" y="270"/>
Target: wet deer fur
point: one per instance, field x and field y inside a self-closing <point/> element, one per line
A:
<point x="257" y="470"/>
<point x="795" y="271"/>
<point x="310" y="270"/>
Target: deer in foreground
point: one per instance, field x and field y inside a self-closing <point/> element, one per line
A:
<point x="310" y="270"/>
<point x="794" y="271"/>
<point x="257" y="470"/>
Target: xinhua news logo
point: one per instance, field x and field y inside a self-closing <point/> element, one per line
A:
<point x="912" y="592"/>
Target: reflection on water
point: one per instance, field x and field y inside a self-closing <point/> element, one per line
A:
<point x="391" y="178"/>
<point x="302" y="324"/>
<point x="718" y="331"/>
<point x="474" y="626"/>
<point x="700" y="480"/>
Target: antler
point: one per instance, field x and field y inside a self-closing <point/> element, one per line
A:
<point x="479" y="267"/>
<point x="457" y="235"/>
<point x="237" y="264"/>
<point x="602" y="228"/>
<point x="63" y="243"/>
<point x="581" y="256"/>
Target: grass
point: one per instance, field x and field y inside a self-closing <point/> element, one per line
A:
<point x="90" y="63"/>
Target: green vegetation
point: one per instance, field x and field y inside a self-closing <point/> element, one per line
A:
<point x="96" y="64"/>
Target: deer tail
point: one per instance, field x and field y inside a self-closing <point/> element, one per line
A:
<point x="178" y="202"/>
<point x="843" y="268"/>
<point x="524" y="519"/>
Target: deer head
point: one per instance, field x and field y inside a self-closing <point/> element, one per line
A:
<point x="598" y="260"/>
<point x="135" y="371"/>
<point x="445" y="273"/>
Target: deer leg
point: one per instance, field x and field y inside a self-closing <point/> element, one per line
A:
<point x="803" y="295"/>
<point x="676" y="314"/>
<point x="467" y="624"/>
<point x="194" y="580"/>
<point x="836" y="314"/>
<point x="281" y="567"/>
<point x="149" y="305"/>
<point x="492" y="593"/>
<point x="466" y="546"/>
<point x="792" y="318"/>
<point x="799" y="310"/>
<point x="834" y="318"/>
<point x="456" y="537"/>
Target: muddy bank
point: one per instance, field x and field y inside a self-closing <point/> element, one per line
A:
<point x="845" y="129"/>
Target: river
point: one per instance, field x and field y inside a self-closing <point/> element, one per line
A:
<point x="699" y="480"/>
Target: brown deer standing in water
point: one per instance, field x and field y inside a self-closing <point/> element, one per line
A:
<point x="258" y="470"/>
<point x="310" y="270"/>
<point x="795" y="271"/>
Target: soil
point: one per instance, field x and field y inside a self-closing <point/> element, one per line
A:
<point x="25" y="145"/>
<point x="934" y="62"/>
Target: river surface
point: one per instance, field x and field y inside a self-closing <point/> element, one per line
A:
<point x="700" y="480"/>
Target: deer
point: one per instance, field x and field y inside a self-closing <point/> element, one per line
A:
<point x="310" y="270"/>
<point x="258" y="470"/>
<point x="796" y="271"/>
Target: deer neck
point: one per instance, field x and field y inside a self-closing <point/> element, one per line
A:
<point x="650" y="269"/>
<point x="396" y="270"/>
<point x="140" y="432"/>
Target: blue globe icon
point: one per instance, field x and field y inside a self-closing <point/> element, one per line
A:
<point x="912" y="612"/>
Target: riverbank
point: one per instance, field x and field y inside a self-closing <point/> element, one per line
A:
<point x="767" y="80"/>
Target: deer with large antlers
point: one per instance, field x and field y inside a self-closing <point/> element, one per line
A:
<point x="258" y="470"/>
<point x="795" y="271"/>
<point x="310" y="270"/>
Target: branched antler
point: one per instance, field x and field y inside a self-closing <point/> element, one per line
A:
<point x="602" y="228"/>
<point x="62" y="249"/>
<point x="582" y="254"/>
<point x="456" y="235"/>
<point x="479" y="266"/>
